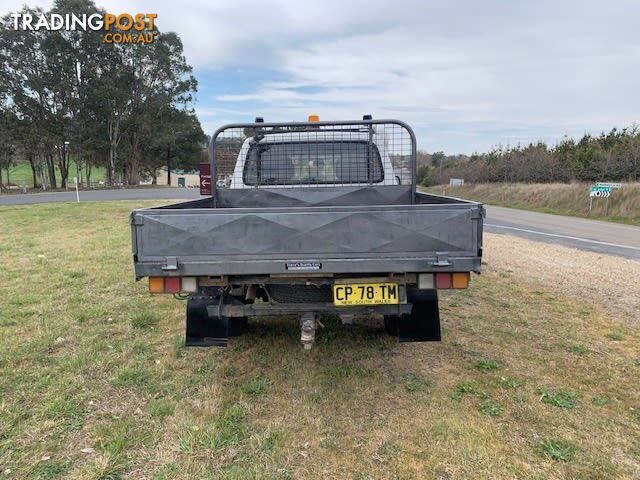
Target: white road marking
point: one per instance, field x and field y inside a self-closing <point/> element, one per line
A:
<point x="580" y="239"/>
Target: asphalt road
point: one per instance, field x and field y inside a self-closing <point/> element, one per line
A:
<point x="592" y="235"/>
<point x="101" y="195"/>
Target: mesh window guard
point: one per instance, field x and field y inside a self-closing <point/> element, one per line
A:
<point x="376" y="153"/>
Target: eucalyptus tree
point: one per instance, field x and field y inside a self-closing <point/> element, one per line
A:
<point x="175" y="139"/>
<point x="25" y="75"/>
<point x="161" y="80"/>
<point x="70" y="91"/>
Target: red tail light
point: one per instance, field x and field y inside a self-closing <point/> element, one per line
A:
<point x="443" y="280"/>
<point x="172" y="285"/>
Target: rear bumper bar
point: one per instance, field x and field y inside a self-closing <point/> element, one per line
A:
<point x="257" y="309"/>
<point x="208" y="267"/>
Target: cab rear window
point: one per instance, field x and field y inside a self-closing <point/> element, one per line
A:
<point x="296" y="163"/>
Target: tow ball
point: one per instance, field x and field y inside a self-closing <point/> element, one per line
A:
<point x="309" y="322"/>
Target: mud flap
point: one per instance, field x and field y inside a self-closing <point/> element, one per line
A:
<point x="423" y="324"/>
<point x="204" y="330"/>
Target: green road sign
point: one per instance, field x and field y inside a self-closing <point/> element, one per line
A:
<point x="598" y="191"/>
<point x="608" y="184"/>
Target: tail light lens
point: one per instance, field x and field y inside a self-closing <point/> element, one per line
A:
<point x="444" y="280"/>
<point x="425" y="281"/>
<point x="461" y="280"/>
<point x="173" y="284"/>
<point x="156" y="284"/>
<point x="189" y="284"/>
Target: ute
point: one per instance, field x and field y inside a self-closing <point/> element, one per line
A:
<point x="309" y="219"/>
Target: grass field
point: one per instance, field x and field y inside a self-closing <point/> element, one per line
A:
<point x="21" y="174"/>
<point x="559" y="198"/>
<point x="529" y="382"/>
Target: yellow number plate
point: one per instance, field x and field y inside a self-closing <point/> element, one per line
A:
<point x="366" y="294"/>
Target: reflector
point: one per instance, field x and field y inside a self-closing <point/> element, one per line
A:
<point x="461" y="280"/>
<point x="189" y="284"/>
<point x="425" y="281"/>
<point x="172" y="284"/>
<point x="443" y="280"/>
<point x="156" y="284"/>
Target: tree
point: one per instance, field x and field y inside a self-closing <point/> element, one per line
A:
<point x="7" y="142"/>
<point x="609" y="156"/>
<point x="23" y="74"/>
<point x="73" y="95"/>
<point x="160" y="80"/>
<point x="176" y="141"/>
<point x="83" y="60"/>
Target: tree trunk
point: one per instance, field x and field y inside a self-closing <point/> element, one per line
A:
<point x="169" y="164"/>
<point x="154" y="176"/>
<point x="79" y="171"/>
<point x="52" y="172"/>
<point x="111" y="174"/>
<point x="87" y="172"/>
<point x="1" y="186"/>
<point x="113" y="128"/>
<point x="132" y="176"/>
<point x="64" y="168"/>
<point x="42" y="172"/>
<point x="133" y="173"/>
<point x="33" y="170"/>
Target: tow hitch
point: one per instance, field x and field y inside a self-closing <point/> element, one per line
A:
<point x="309" y="322"/>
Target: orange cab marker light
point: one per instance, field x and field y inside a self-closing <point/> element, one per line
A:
<point x="461" y="280"/>
<point x="156" y="285"/>
<point x="314" y="118"/>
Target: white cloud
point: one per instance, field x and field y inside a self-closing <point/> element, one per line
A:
<point x="472" y="73"/>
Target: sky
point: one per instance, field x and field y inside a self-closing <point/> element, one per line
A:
<point x="468" y="75"/>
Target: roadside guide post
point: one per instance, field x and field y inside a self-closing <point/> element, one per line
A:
<point x="75" y="179"/>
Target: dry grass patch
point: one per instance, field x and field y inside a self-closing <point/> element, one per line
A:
<point x="560" y="198"/>
<point x="611" y="283"/>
